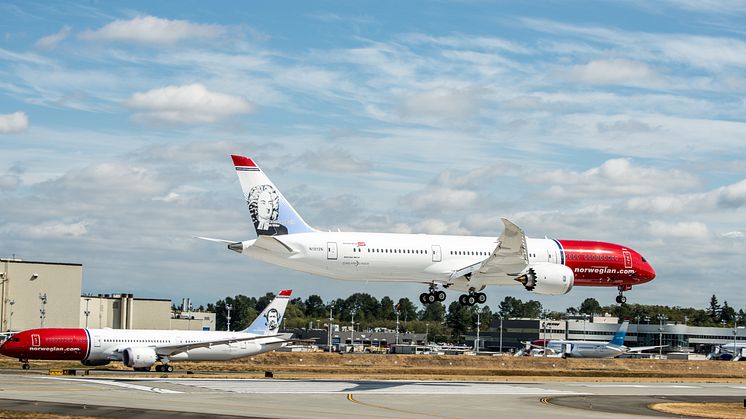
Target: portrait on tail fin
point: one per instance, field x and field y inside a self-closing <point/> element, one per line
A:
<point x="264" y="206"/>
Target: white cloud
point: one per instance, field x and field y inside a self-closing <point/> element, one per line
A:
<point x="13" y="122"/>
<point x="615" y="177"/>
<point x="725" y="197"/>
<point x="733" y="235"/>
<point x="440" y="199"/>
<point x="188" y="104"/>
<point x="334" y="160"/>
<point x="153" y="30"/>
<point x="53" y="229"/>
<point x="51" y="41"/>
<point x="683" y="230"/>
<point x="613" y="72"/>
<point x="442" y="103"/>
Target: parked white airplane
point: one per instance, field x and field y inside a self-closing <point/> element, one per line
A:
<point x="463" y="263"/>
<point x="588" y="348"/>
<point x="141" y="349"/>
<point x="729" y="352"/>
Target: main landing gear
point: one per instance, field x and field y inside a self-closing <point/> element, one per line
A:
<point x="25" y="365"/>
<point x="164" y="368"/>
<point x="433" y="295"/>
<point x="621" y="299"/>
<point x="472" y="298"/>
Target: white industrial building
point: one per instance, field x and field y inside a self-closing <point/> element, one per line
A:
<point x="47" y="294"/>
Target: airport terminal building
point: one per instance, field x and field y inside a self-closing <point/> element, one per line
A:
<point x="48" y="294"/>
<point x="678" y="337"/>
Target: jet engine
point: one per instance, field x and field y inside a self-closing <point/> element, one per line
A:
<point x="547" y="279"/>
<point x="94" y="363"/>
<point x="139" y="357"/>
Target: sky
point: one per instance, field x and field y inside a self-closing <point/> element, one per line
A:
<point x="614" y="121"/>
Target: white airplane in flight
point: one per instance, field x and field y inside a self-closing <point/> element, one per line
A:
<point x="463" y="263"/>
<point x="141" y="349"/>
<point x="588" y="348"/>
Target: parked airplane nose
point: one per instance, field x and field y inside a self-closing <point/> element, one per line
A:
<point x="10" y="347"/>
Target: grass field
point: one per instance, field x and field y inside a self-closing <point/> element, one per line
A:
<point x="442" y="367"/>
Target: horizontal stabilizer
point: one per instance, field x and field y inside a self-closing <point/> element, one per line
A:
<point x="209" y="239"/>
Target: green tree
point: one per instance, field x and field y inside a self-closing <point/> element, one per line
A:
<point x="434" y="312"/>
<point x="314" y="307"/>
<point x="727" y="313"/>
<point x="714" y="310"/>
<point x="590" y="306"/>
<point x="387" y="309"/>
<point x="407" y="310"/>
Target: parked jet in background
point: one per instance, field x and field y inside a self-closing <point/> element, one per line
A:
<point x="463" y="263"/>
<point x="141" y="349"/>
<point x="729" y="352"/>
<point x="588" y="348"/>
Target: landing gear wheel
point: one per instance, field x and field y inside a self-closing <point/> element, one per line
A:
<point x="26" y="366"/>
<point x="621" y="299"/>
<point x="471" y="299"/>
<point x="431" y="298"/>
<point x="481" y="297"/>
<point x="462" y="299"/>
<point x="168" y="368"/>
<point x="440" y="296"/>
<point x="423" y="298"/>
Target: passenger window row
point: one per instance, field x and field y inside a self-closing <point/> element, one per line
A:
<point x="469" y="253"/>
<point x="409" y="251"/>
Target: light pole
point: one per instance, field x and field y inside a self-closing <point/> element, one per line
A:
<point x="476" y="349"/>
<point x="661" y="318"/>
<point x="87" y="312"/>
<point x="427" y="331"/>
<point x="10" y="318"/>
<point x="352" y="330"/>
<point x="735" y="332"/>
<point x="501" y="334"/>
<point x="43" y="309"/>
<point x="397" y="325"/>
<point x="228" y="307"/>
<point x="331" y="318"/>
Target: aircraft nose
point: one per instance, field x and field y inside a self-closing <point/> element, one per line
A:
<point x="7" y="348"/>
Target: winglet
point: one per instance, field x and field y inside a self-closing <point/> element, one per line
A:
<point x="242" y="161"/>
<point x="285" y="293"/>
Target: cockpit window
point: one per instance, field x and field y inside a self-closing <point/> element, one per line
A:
<point x="643" y="259"/>
<point x="14" y="339"/>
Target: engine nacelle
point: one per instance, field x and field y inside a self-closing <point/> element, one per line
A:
<point x="139" y="357"/>
<point x="547" y="279"/>
<point x="94" y="362"/>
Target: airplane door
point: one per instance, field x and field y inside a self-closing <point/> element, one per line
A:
<point x="35" y="340"/>
<point x="437" y="255"/>
<point x="627" y="259"/>
<point x="97" y="341"/>
<point x="331" y="251"/>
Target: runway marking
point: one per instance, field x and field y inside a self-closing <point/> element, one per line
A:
<point x="391" y="409"/>
<point x="259" y="386"/>
<point x="117" y="384"/>
<point x="633" y="386"/>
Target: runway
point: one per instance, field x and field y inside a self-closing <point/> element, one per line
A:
<point x="161" y="397"/>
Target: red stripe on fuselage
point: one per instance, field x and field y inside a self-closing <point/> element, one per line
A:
<point x="605" y="264"/>
<point x="51" y="344"/>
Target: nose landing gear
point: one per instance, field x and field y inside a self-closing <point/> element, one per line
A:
<point x="621" y="299"/>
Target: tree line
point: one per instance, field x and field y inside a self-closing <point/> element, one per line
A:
<point x="452" y="322"/>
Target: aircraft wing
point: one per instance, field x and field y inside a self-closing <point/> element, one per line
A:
<point x="508" y="259"/>
<point x="644" y="348"/>
<point x="168" y="350"/>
